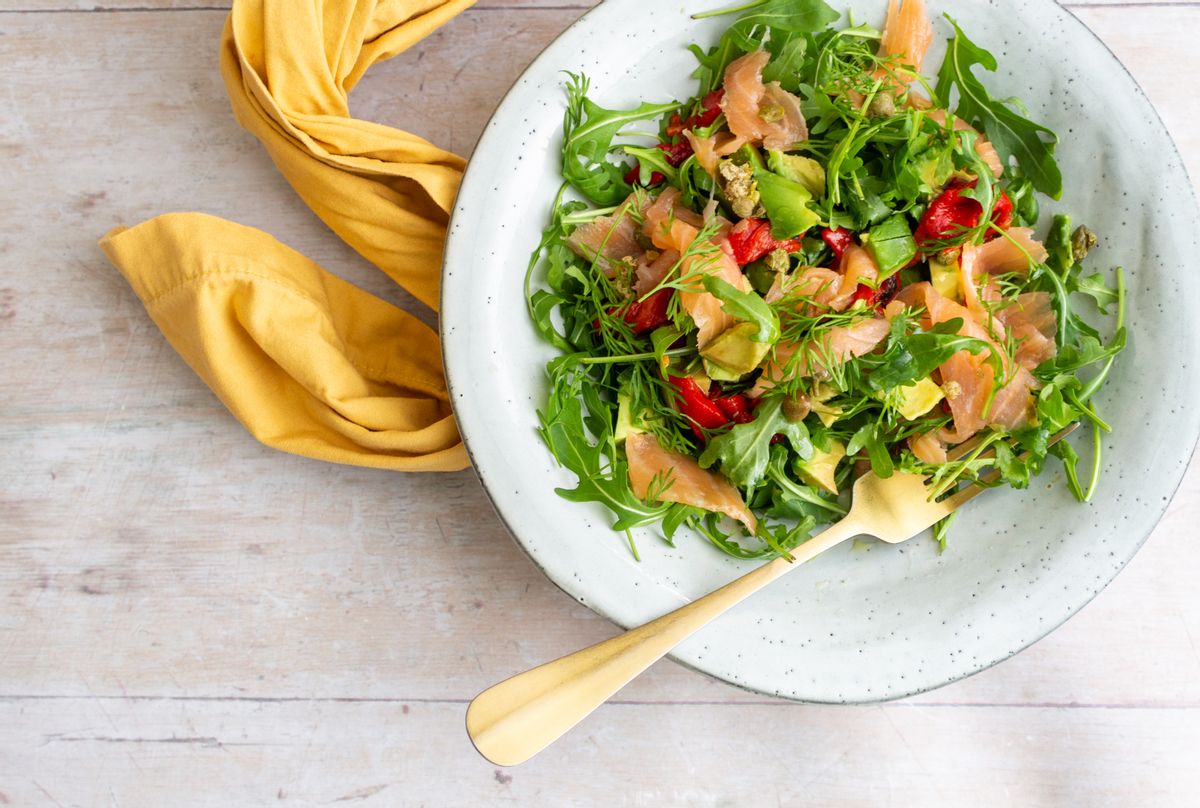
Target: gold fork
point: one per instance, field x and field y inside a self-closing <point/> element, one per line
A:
<point x="514" y="720"/>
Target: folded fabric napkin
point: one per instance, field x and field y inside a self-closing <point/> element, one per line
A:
<point x="307" y="362"/>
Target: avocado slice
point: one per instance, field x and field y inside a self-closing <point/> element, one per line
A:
<point x="786" y="203"/>
<point x="720" y="374"/>
<point x="914" y="400"/>
<point x="627" y="424"/>
<point x="821" y="469"/>
<point x="891" y="245"/>
<point x="943" y="275"/>
<point x="761" y="276"/>
<point x="804" y="170"/>
<point x="820" y="395"/>
<point x="735" y="352"/>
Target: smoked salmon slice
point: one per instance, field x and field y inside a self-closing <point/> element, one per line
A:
<point x="968" y="379"/>
<point x="710" y="150"/>
<point x="608" y="239"/>
<point x="1032" y="322"/>
<point x="674" y="477"/>
<point x="758" y="113"/>
<point x="907" y="34"/>
<point x="1012" y="252"/>
<point x="816" y="284"/>
<point x="928" y="448"/>
<point x="856" y="268"/>
<point x="676" y="228"/>
<point x="650" y="275"/>
<point x="836" y="346"/>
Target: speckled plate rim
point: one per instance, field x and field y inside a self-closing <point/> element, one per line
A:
<point x="459" y="389"/>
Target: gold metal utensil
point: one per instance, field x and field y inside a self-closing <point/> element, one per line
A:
<point x="514" y="720"/>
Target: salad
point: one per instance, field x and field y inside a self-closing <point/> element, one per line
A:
<point x="822" y="264"/>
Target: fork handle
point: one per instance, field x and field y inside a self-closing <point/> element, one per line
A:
<point x="514" y="720"/>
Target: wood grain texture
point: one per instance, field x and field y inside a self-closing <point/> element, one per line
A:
<point x="291" y="753"/>
<point x="179" y="605"/>
<point x="21" y="6"/>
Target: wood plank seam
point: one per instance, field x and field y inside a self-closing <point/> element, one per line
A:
<point x="910" y="703"/>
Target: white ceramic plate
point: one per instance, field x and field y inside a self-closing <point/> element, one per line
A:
<point x="869" y="621"/>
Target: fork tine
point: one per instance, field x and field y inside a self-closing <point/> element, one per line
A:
<point x="960" y="498"/>
<point x="964" y="496"/>
<point x="963" y="449"/>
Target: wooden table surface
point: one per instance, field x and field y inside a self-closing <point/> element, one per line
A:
<point x="188" y="618"/>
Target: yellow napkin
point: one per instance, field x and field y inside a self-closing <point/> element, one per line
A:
<point x="307" y="362"/>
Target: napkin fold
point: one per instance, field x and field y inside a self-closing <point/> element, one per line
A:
<point x="307" y="362"/>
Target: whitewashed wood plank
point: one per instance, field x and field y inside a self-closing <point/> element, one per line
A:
<point x="188" y="754"/>
<point x="284" y="577"/>
<point x="18" y="6"/>
<point x="149" y="547"/>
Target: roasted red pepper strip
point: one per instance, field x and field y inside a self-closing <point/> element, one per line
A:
<point x="736" y="408"/>
<point x="1002" y="214"/>
<point x="645" y="315"/>
<point x="751" y="239"/>
<point x="635" y="173"/>
<point x="839" y="240"/>
<point x="698" y="408"/>
<point x="676" y="152"/>
<point x="710" y="110"/>
<point x="651" y="313"/>
<point x="878" y="298"/>
<point x="951" y="213"/>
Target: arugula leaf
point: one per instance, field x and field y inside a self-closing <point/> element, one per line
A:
<point x="744" y="451"/>
<point x="783" y="538"/>
<point x="792" y="16"/>
<point x="745" y="306"/>
<point x="1070" y="459"/>
<point x="794" y="500"/>
<point x="711" y="72"/>
<point x="662" y="339"/>
<point x="541" y="303"/>
<point x="1012" y="135"/>
<point x="651" y="160"/>
<point x="1054" y="412"/>
<point x="869" y="437"/>
<point x="1025" y="203"/>
<point x="1095" y="287"/>
<point x="926" y="163"/>
<point x="984" y="189"/>
<point x="588" y="133"/>
<point x="1015" y="472"/>
<point x="708" y="526"/>
<point x="603" y="478"/>
<point x="1087" y="350"/>
<point x="788" y="57"/>
<point x="913" y="357"/>
<point x="541" y="306"/>
<point x="695" y="184"/>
